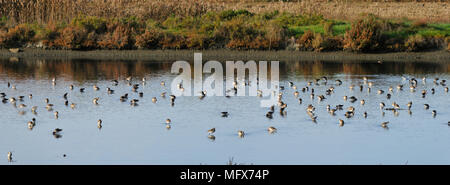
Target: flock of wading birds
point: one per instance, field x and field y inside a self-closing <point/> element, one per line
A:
<point x="282" y="106"/>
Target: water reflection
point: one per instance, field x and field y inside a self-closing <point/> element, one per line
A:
<point x="81" y="70"/>
<point x="114" y="130"/>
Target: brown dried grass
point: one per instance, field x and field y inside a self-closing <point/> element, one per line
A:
<point x="43" y="11"/>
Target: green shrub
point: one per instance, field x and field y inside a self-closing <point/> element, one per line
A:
<point x="152" y="24"/>
<point x="132" y="22"/>
<point x="328" y="28"/>
<point x="230" y="14"/>
<point x="90" y="23"/>
<point x="3" y="21"/>
<point x="289" y="19"/>
<point x="420" y="43"/>
<point x="270" y="15"/>
<point x="172" y="23"/>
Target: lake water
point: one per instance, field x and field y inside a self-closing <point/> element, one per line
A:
<point x="138" y="134"/>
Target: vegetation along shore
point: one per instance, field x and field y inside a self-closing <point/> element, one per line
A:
<point x="203" y="25"/>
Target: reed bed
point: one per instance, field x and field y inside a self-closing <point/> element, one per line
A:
<point x="44" y="11"/>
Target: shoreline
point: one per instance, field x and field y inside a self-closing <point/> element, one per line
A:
<point x="223" y="55"/>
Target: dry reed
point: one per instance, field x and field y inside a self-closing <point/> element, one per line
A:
<point x="44" y="11"/>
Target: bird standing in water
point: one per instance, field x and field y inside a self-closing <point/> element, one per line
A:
<point x="30" y="125"/>
<point x="224" y="114"/>
<point x="241" y="133"/>
<point x="384" y="124"/>
<point x="99" y="124"/>
<point x="341" y="122"/>
<point x="272" y="130"/>
<point x="9" y="156"/>
<point x="95" y="101"/>
<point x="409" y="104"/>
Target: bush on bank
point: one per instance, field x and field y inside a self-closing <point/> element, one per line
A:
<point x="237" y="30"/>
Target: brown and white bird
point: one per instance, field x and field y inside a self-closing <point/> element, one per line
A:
<point x="30" y="125"/>
<point x="99" y="124"/>
<point x="395" y="105"/>
<point x="211" y="131"/>
<point x="9" y="156"/>
<point x="409" y="105"/>
<point x="95" y="101"/>
<point x="241" y="133"/>
<point x="341" y="122"/>
<point x="384" y="124"/>
<point x="109" y="90"/>
<point x="33" y="109"/>
<point x="382" y="105"/>
<point x="56" y="114"/>
<point x="272" y="129"/>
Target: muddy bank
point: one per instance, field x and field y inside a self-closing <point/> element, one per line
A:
<point x="222" y="55"/>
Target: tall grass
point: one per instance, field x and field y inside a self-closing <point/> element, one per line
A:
<point x="44" y="11"/>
